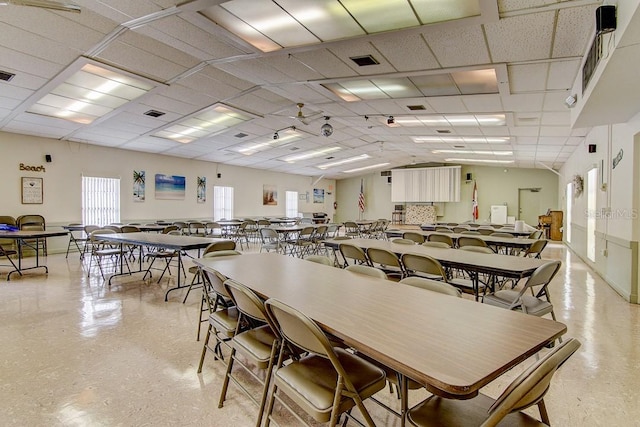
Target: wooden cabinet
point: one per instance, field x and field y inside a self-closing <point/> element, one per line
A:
<point x="551" y="223"/>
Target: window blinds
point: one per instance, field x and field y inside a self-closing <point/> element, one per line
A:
<point x="440" y="184"/>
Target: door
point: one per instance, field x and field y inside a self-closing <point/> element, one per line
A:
<point x="529" y="205"/>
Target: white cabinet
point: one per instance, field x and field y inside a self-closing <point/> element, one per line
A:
<point x="498" y="214"/>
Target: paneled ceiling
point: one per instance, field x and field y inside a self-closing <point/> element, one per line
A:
<point x="487" y="84"/>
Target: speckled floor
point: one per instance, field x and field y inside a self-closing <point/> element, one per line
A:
<point x="76" y="352"/>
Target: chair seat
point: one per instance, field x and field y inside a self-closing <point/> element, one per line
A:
<point x="311" y="382"/>
<point x="225" y="321"/>
<point x="436" y="411"/>
<point x="256" y="344"/>
<point x="506" y="297"/>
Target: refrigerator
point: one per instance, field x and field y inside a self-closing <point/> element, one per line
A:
<point x="498" y="214"/>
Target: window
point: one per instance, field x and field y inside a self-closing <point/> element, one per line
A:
<point x="222" y="203"/>
<point x="100" y="200"/>
<point x="291" y="204"/>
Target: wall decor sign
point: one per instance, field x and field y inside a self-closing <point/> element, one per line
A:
<point x="170" y="187"/>
<point x="617" y="158"/>
<point x="269" y="195"/>
<point x="31" y="191"/>
<point x="138" y="186"/>
<point x="201" y="189"/>
<point x="24" y="167"/>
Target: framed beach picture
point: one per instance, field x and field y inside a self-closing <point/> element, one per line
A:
<point x="318" y="195"/>
<point x="170" y="187"/>
<point x="32" y="191"/>
<point x="202" y="189"/>
<point x="269" y="195"/>
<point x="138" y="186"/>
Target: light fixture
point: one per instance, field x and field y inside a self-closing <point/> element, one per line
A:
<point x="285" y="137"/>
<point x="326" y="129"/>
<point x="391" y="120"/>
<point x="343" y="161"/>
<point x="478" y="161"/>
<point x="480" y="152"/>
<point x="310" y="154"/>
<point x="379" y="165"/>
<point x="570" y="102"/>
<point x="461" y="139"/>
<point x="276" y="136"/>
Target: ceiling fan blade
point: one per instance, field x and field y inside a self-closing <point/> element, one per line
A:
<point x="47" y="4"/>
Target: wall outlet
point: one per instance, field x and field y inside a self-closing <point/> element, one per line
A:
<point x="604" y="252"/>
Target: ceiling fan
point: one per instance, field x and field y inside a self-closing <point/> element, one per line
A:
<point x="44" y="4"/>
<point x="305" y="118"/>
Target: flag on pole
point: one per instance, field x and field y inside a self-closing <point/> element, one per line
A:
<point x="474" y="203"/>
<point x="361" y="204"/>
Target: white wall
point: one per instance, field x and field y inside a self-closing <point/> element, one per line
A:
<point x="62" y="182"/>
<point x="617" y="204"/>
<point x="496" y="186"/>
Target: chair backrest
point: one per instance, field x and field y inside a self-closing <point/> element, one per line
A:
<point x="222" y="245"/>
<point x="216" y="281"/>
<point x="435" y="237"/>
<point x="471" y="241"/>
<point x="170" y="228"/>
<point x="31" y="222"/>
<point x="432" y="285"/>
<point x="444" y="230"/>
<point x="536" y="234"/>
<point x="530" y="387"/>
<point x="263" y="223"/>
<point x="543" y="275"/>
<point x="452" y="224"/>
<point x="412" y="235"/>
<point x="332" y="231"/>
<point x="536" y="248"/>
<point x="114" y="228"/>
<point x="502" y="234"/>
<point x="197" y="227"/>
<point x="129" y="229"/>
<point x="366" y="270"/>
<point x="403" y="241"/>
<point x="460" y="229"/>
<point x="423" y="264"/>
<point x="470" y="232"/>
<point x="353" y="252"/>
<point x="485" y="231"/>
<point x="225" y="252"/>
<point x="319" y="259"/>
<point x="247" y="302"/>
<point x="383" y="257"/>
<point x="89" y="228"/>
<point x="268" y="234"/>
<point x="478" y="249"/>
<point x="436" y="244"/>
<point x="7" y="219"/>
<point x="93" y="236"/>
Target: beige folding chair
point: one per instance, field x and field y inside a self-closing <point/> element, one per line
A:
<point x="435" y="237"/>
<point x="319" y="382"/>
<point x="432" y="285"/>
<point x="536" y="248"/>
<point x="220" y="248"/>
<point x="354" y="253"/>
<point x="412" y="235"/>
<point x="402" y="241"/>
<point x="423" y="266"/>
<point x="258" y="345"/>
<point x="367" y="270"/>
<point x="528" y="389"/>
<point x="319" y="259"/>
<point x="471" y="241"/>
<point x="386" y="261"/>
<point x="442" y="245"/>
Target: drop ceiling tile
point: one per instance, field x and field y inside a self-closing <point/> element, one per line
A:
<point x="406" y="52"/>
<point x="21" y="62"/>
<point x="524" y="131"/>
<point x="513" y="5"/>
<point x="554" y="101"/>
<point x="447" y="105"/>
<point x="528" y="77"/>
<point x="18" y="39"/>
<point x="521" y="38"/>
<point x="458" y="46"/>
<point x="556" y="119"/>
<point x="571" y="37"/>
<point x="345" y="50"/>
<point x="562" y="74"/>
<point x="482" y="103"/>
<point x="523" y="102"/>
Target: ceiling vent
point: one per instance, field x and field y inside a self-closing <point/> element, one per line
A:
<point x="416" y="107"/>
<point x="241" y="135"/>
<point x="364" y="60"/>
<point x="385" y="173"/>
<point x="330" y="158"/>
<point x="6" y="76"/>
<point x="443" y="131"/>
<point x="294" y="148"/>
<point x="154" y="113"/>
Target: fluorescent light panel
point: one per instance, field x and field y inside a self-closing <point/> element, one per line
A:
<point x="478" y="152"/>
<point x="449" y="120"/>
<point x="90" y="93"/>
<point x="343" y="161"/>
<point x="379" y="165"/>
<point x="310" y="154"/>
<point x="285" y="137"/>
<point x="471" y="82"/>
<point x="214" y="119"/>
<point x="461" y="139"/>
<point x="270" y="25"/>
<point x="478" y="161"/>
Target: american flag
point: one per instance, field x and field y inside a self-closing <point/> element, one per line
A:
<point x="361" y="197"/>
<point x="474" y="203"/>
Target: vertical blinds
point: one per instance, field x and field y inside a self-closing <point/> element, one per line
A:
<point x="100" y="200"/>
<point x="440" y="184"/>
<point x="291" y="204"/>
<point x="222" y="203"/>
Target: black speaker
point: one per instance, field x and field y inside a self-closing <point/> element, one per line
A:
<point x="592" y="148"/>
<point x="47" y="157"/>
<point x="388" y="180"/>
<point x="469" y="177"/>
<point x="219" y="175"/>
<point x="605" y="19"/>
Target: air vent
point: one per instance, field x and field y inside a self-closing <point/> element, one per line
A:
<point x="385" y="173"/>
<point x="416" y="107"/>
<point x="241" y="135"/>
<point x="459" y="146"/>
<point x="6" y="76"/>
<point x="330" y="158"/>
<point x="364" y="60"/>
<point x="443" y="131"/>
<point x="294" y="148"/>
<point x="154" y="113"/>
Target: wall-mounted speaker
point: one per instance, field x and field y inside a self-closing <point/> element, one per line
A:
<point x="219" y="175"/>
<point x="605" y="19"/>
<point x="388" y="180"/>
<point x="469" y="177"/>
<point x="592" y="148"/>
<point x="47" y="157"/>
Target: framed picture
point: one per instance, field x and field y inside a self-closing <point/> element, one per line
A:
<point x="138" y="186"/>
<point x="170" y="187"/>
<point x="270" y="195"/>
<point x="318" y="195"/>
<point x="201" y="189"/>
<point x="31" y="191"/>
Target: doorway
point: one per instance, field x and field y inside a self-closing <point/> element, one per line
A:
<point x="529" y="205"/>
